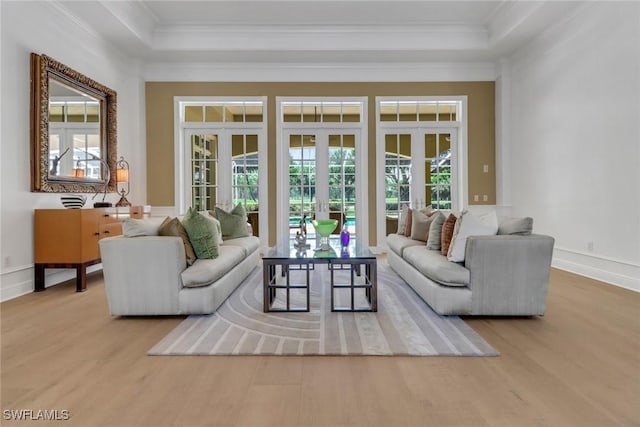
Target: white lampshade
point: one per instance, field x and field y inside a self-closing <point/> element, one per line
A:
<point x="122" y="175"/>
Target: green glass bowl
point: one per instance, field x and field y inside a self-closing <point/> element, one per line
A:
<point x="324" y="227"/>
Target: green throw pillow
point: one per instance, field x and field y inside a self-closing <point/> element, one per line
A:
<point x="204" y="233"/>
<point x="234" y="223"/>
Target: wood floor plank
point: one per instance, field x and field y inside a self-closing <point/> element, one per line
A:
<point x="579" y="365"/>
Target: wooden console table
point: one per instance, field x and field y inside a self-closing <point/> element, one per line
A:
<point x="68" y="238"/>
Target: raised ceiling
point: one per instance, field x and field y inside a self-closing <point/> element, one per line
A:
<point x="317" y="31"/>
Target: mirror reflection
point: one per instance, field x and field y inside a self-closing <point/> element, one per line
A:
<point x="74" y="133"/>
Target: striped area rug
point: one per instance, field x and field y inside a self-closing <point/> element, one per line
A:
<point x="403" y="325"/>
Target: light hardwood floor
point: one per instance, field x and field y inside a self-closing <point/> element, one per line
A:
<point x="579" y="365"/>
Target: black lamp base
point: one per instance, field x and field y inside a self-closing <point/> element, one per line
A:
<point x="102" y="204"/>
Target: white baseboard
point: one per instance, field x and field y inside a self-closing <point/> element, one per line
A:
<point x="19" y="281"/>
<point x="615" y="272"/>
<point x="15" y="283"/>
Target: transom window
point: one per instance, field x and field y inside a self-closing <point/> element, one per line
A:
<point x="223" y="112"/>
<point x="74" y="112"/>
<point x="419" y="111"/>
<point x="322" y="112"/>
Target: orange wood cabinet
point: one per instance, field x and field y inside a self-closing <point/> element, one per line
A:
<point x="68" y="238"/>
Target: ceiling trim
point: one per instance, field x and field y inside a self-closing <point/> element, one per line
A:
<point x="320" y="72"/>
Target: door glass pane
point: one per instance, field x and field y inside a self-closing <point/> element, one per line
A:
<point x="244" y="180"/>
<point x="204" y="171"/>
<point x="397" y="177"/>
<point x="342" y="180"/>
<point x="302" y="177"/>
<point x="438" y="170"/>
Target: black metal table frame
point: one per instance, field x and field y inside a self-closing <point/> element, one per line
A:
<point x="270" y="287"/>
<point x="370" y="284"/>
<point x="269" y="272"/>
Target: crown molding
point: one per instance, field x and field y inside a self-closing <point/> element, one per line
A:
<point x="320" y="72"/>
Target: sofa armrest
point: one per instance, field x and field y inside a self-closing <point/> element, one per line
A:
<point x="509" y="274"/>
<point x="142" y="274"/>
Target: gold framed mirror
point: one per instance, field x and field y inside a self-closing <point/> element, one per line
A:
<point x="73" y="130"/>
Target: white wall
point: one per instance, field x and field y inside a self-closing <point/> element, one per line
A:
<point x="45" y="28"/>
<point x="574" y="140"/>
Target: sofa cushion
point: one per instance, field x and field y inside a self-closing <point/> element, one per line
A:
<point x="203" y="272"/>
<point x="173" y="227"/>
<point x="248" y="244"/>
<point x="436" y="267"/>
<point x="398" y="243"/>
<point x="518" y="226"/>
<point x="204" y="233"/>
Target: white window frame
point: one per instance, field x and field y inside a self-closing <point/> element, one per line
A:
<point x="182" y="187"/>
<point x="459" y="186"/>
<point x="282" y="159"/>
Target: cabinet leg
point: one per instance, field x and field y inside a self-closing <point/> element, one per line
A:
<point x="81" y="277"/>
<point x="38" y="278"/>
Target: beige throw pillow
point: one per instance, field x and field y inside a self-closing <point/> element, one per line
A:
<point x="435" y="231"/>
<point x="420" y="225"/>
<point x="173" y="227"/>
<point x="140" y="227"/>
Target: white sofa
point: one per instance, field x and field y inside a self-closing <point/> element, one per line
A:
<point x="502" y="275"/>
<point x="148" y="275"/>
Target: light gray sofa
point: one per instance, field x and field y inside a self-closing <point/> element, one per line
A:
<point x="502" y="275"/>
<point x="148" y="275"/>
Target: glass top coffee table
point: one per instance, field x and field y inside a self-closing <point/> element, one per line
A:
<point x="288" y="256"/>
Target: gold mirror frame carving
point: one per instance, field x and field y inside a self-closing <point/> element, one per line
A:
<point x="44" y="68"/>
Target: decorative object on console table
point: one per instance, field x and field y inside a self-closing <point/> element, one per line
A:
<point x="107" y="178"/>
<point x="122" y="177"/>
<point x="73" y="201"/>
<point x="68" y="238"/>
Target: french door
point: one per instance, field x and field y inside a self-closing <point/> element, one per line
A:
<point x="322" y="175"/>
<point x="223" y="169"/>
<point x="419" y="170"/>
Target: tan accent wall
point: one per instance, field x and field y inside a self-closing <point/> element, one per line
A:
<point x="160" y="129"/>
